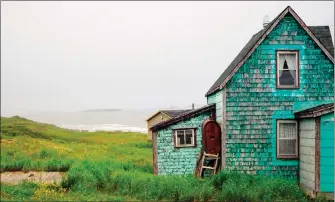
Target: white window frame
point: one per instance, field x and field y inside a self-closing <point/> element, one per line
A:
<point x="292" y="52"/>
<point x="193" y="144"/>
<point x="288" y="156"/>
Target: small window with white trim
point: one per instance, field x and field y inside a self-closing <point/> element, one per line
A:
<point x="287" y="139"/>
<point x="287" y="69"/>
<point x="184" y="138"/>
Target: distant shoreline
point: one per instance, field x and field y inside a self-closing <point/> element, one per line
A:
<point x="101" y="110"/>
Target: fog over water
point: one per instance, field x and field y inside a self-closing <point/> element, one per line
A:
<point x="59" y="58"/>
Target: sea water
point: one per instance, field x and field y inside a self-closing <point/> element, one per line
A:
<point x="119" y="120"/>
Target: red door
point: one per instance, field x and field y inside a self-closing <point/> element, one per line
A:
<point x="211" y="136"/>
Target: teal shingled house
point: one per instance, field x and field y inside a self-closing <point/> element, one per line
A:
<point x="284" y="66"/>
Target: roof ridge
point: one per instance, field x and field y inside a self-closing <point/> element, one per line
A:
<point x="257" y="38"/>
<point x="182" y="116"/>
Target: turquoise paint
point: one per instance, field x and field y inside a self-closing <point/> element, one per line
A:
<point x="179" y="161"/>
<point x="217" y="99"/>
<point x="327" y="187"/>
<point x="300" y="106"/>
<point x="327" y="170"/>
<point x="326" y="161"/>
<point x="327" y="153"/>
<point x="254" y="104"/>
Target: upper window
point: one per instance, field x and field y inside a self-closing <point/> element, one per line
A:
<point x="287" y="139"/>
<point x="184" y="137"/>
<point x="287" y="69"/>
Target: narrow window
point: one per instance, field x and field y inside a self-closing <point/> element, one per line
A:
<point x="184" y="137"/>
<point x="287" y="139"/>
<point x="287" y="69"/>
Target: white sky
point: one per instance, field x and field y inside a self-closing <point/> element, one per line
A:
<point x="68" y="56"/>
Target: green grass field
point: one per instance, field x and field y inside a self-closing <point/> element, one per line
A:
<point x="115" y="166"/>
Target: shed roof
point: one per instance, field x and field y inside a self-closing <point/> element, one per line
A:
<point x="321" y="33"/>
<point x="315" y="111"/>
<point x="182" y="117"/>
<point x="170" y="113"/>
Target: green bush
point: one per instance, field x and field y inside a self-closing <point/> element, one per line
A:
<point x="225" y="186"/>
<point x="18" y="192"/>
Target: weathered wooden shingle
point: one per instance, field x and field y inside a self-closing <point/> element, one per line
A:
<point x="175" y="113"/>
<point x="322" y="33"/>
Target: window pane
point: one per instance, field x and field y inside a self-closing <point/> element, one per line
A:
<point x="287" y="130"/>
<point x="180" y="139"/>
<point x="180" y="132"/>
<point x="287" y="77"/>
<point x="287" y="147"/>
<point x="287" y="61"/>
<point x="189" y="138"/>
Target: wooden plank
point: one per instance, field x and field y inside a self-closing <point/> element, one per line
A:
<point x="307" y="142"/>
<point x="326" y="179"/>
<point x="307" y="134"/>
<point x="154" y="153"/>
<point x="307" y="167"/>
<point x="327" y="187"/>
<point x="307" y="124"/>
<point x="327" y="170"/>
<point x="307" y="175"/>
<point x="307" y="183"/>
<point x="327" y="161"/>
<point x="327" y="143"/>
<point x="198" y="163"/>
<point x="317" y="154"/>
<point x="327" y="152"/>
<point x="223" y="128"/>
<point x="309" y="151"/>
<point x="206" y="167"/>
<point x="308" y="159"/>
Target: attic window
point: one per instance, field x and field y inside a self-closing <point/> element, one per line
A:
<point x="287" y="139"/>
<point x="287" y="69"/>
<point x="184" y="138"/>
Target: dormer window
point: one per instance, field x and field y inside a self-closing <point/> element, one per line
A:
<point x="287" y="69"/>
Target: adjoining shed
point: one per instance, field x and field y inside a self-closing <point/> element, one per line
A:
<point x="316" y="145"/>
<point x="176" y="142"/>
<point x="160" y="116"/>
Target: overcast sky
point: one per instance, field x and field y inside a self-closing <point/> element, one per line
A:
<point x="68" y="56"/>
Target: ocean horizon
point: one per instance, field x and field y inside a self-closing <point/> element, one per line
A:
<point x="125" y="120"/>
<point x="96" y="120"/>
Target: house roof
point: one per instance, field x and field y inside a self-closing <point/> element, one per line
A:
<point x="170" y="113"/>
<point x="174" y="113"/>
<point x="304" y="105"/>
<point x="315" y="111"/>
<point x="182" y="117"/>
<point x="320" y="34"/>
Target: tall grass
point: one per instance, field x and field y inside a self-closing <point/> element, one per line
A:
<point x="116" y="167"/>
<point x="28" y="145"/>
<point x="225" y="186"/>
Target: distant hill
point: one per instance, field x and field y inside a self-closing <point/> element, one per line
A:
<point x="102" y="110"/>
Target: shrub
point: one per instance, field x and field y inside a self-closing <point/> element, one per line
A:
<point x="47" y="192"/>
<point x="17" y="192"/>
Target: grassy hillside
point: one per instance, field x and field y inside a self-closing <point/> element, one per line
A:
<point x="28" y="145"/>
<point x="115" y="166"/>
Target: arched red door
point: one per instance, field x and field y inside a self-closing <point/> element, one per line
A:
<point x="211" y="136"/>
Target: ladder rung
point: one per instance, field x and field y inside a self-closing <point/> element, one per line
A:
<point x="212" y="155"/>
<point x="208" y="167"/>
<point x="211" y="158"/>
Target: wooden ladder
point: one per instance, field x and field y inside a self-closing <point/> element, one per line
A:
<point x="205" y="157"/>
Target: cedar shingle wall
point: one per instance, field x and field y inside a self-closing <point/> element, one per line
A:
<point x="179" y="160"/>
<point x="254" y="104"/>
